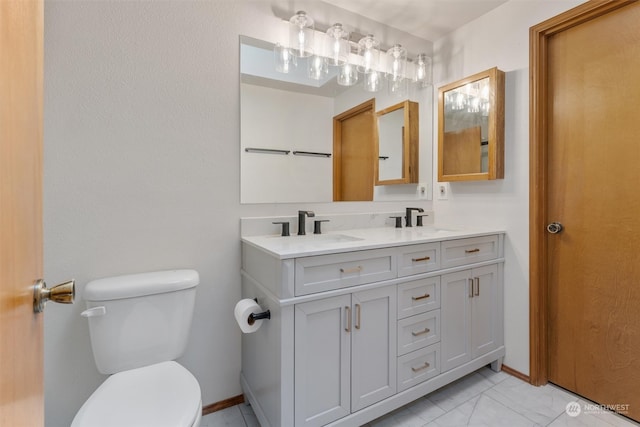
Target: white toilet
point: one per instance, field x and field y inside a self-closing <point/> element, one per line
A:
<point x="138" y="325"/>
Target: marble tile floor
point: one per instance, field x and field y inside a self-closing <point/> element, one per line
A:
<point x="483" y="398"/>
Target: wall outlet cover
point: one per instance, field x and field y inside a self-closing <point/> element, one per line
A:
<point x="442" y="190"/>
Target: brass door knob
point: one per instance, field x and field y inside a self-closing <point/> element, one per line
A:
<point x="64" y="293"/>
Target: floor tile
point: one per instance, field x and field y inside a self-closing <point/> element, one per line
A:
<point x="460" y="391"/>
<point x="483" y="411"/>
<point x="494" y="377"/>
<point x="539" y="404"/>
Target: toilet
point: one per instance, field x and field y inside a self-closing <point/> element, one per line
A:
<point x="138" y="325"/>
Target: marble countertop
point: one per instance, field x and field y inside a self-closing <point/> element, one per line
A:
<point x="295" y="246"/>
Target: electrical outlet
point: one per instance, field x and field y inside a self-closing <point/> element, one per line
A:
<point x="442" y="190"/>
<point x="423" y="190"/>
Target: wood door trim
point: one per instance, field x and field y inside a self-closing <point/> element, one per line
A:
<point x="538" y="270"/>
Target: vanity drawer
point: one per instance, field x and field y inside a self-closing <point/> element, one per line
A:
<point x="416" y="259"/>
<point x="419" y="331"/>
<point x="327" y="272"/>
<point x="467" y="251"/>
<point x="418" y="296"/>
<point x="418" y="366"/>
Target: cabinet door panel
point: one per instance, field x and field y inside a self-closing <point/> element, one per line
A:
<point x="456" y="319"/>
<point x="373" y="347"/>
<point x="484" y="311"/>
<point x="322" y="361"/>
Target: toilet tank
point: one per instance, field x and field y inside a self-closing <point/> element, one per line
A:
<point x="140" y="319"/>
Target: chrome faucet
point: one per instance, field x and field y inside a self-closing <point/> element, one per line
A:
<point x="301" y="221"/>
<point x="408" y="217"/>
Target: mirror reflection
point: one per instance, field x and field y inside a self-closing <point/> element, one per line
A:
<point x="398" y="149"/>
<point x="471" y="128"/>
<point x="294" y="116"/>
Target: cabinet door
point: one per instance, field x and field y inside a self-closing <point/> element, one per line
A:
<point x="322" y="361"/>
<point x="455" y="291"/>
<point x="373" y="346"/>
<point x="485" y="314"/>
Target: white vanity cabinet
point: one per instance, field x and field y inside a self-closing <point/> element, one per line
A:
<point x="355" y="334"/>
<point x="344" y="354"/>
<point x="471" y="304"/>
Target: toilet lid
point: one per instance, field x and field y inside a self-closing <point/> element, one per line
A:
<point x="164" y="394"/>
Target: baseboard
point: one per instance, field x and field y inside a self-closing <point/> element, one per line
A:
<point x="516" y="374"/>
<point x="223" y="404"/>
<point x="236" y="400"/>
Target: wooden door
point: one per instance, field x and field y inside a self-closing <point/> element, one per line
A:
<point x="585" y="175"/>
<point x="322" y="361"/>
<point x="373" y="346"/>
<point x="21" y="344"/>
<point x="353" y="148"/>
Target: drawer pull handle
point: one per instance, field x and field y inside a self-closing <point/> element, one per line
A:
<point x="416" y="334"/>
<point x="470" y="288"/>
<point x="347" y="310"/>
<point x="357" y="269"/>
<point x="420" y="297"/>
<point x="357" y="316"/>
<point x="420" y="368"/>
<point x="426" y="258"/>
<point x="471" y="251"/>
<point x="477" y="286"/>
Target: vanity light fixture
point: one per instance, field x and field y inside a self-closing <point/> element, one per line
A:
<point x="333" y="49"/>
<point x="301" y="34"/>
<point x="423" y="70"/>
<point x="337" y="48"/>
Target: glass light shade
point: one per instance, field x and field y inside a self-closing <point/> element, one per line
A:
<point x="337" y="47"/>
<point x="347" y="75"/>
<point x="396" y="63"/>
<point x="372" y="81"/>
<point x="399" y="88"/>
<point x="423" y="70"/>
<point x="317" y="67"/>
<point x="301" y="35"/>
<point x="368" y="53"/>
<point x="285" y="61"/>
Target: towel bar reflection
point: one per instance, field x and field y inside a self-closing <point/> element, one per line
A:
<point x="311" y="154"/>
<point x="266" y="151"/>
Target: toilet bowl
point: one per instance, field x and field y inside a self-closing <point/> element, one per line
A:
<point x="138" y="324"/>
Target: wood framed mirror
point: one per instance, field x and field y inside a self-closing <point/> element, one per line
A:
<point x="396" y="156"/>
<point x="471" y="128"/>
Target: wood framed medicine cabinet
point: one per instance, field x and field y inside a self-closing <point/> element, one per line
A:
<point x="471" y="128"/>
<point x="396" y="155"/>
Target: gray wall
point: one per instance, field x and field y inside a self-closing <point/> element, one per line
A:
<point x="141" y="169"/>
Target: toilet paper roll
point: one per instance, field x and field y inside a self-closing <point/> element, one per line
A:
<point x="244" y="308"/>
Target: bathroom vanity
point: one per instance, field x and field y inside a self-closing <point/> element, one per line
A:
<point x="365" y="321"/>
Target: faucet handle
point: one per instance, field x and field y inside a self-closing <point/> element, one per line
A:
<point x="419" y="220"/>
<point x="317" y="224"/>
<point x="398" y="221"/>
<point x="285" y="227"/>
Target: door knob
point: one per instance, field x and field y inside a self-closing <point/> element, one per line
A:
<point x="64" y="293"/>
<point x="554" y="228"/>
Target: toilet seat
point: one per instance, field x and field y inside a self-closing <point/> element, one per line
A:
<point x="163" y="394"/>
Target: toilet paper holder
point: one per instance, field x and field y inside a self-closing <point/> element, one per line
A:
<point x="257" y="316"/>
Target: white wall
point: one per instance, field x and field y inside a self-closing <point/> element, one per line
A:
<point x="142" y="168"/>
<point x="500" y="38"/>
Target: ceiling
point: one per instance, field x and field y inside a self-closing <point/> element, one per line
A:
<point x="427" y="19"/>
